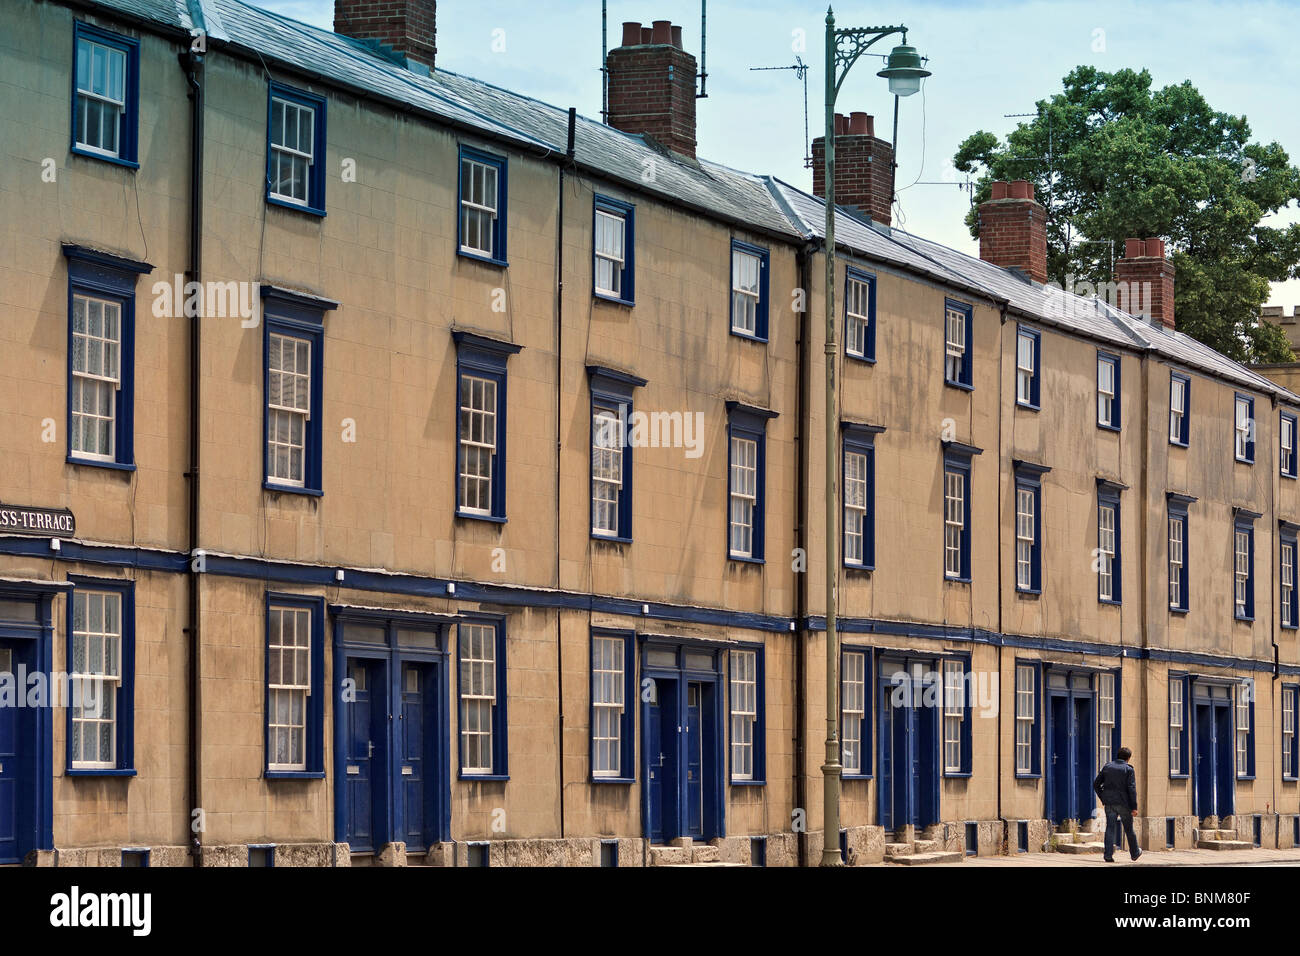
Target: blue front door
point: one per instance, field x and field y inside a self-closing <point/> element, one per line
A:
<point x="365" y="766"/>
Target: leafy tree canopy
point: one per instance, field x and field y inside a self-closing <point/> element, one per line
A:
<point x="1127" y="161"/>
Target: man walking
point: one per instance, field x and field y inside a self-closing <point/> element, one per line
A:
<point x="1116" y="785"/>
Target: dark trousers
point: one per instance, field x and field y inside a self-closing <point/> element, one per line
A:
<point x="1115" y="816"/>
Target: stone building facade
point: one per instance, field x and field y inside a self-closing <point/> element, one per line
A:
<point x="404" y="471"/>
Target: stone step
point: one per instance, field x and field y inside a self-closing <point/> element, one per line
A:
<point x="925" y="846"/>
<point x="703" y="853"/>
<point x="669" y="855"/>
<point x="1077" y="848"/>
<point x="921" y="859"/>
<point x="1199" y="834"/>
<point x="899" y="849"/>
<point x="1224" y="845"/>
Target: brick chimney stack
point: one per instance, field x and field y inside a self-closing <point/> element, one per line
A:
<point x="864" y="168"/>
<point x="1013" y="230"/>
<point x="409" y="27"/>
<point x="1147" y="278"/>
<point x="652" y="86"/>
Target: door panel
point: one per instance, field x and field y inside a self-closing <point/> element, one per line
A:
<point x="885" y="748"/>
<point x="1225" y="761"/>
<point x="1058" y="758"/>
<point x="1085" y="747"/>
<point x="1205" y="760"/>
<point x="363" y="749"/>
<point x="414" y="757"/>
<point x="694" y="741"/>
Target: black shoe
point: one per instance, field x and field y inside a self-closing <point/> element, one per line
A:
<point x="1108" y="859"/>
<point x="1136" y="855"/>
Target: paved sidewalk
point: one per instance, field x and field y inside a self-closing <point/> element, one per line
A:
<point x="1257" y="857"/>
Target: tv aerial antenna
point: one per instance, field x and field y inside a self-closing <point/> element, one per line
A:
<point x="800" y="69"/>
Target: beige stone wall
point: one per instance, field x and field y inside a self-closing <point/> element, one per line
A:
<point x="89" y="203"/>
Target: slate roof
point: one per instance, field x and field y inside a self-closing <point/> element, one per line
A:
<point x="761" y="203"/>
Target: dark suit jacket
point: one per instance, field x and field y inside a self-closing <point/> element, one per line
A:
<point x="1116" y="785"/>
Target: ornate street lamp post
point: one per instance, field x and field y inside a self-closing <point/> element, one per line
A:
<point x="904" y="72"/>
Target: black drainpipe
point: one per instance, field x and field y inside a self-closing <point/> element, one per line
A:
<point x="1006" y="826"/>
<point x="803" y="429"/>
<point x="192" y="64"/>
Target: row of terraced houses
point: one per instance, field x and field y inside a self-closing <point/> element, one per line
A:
<point x="401" y="470"/>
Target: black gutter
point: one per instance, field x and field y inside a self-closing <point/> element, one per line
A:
<point x="192" y="65"/>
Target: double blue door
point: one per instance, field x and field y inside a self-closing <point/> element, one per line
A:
<point x="908" y="746"/>
<point x="391" y="772"/>
<point x="1071" y="751"/>
<point x="1215" y="769"/>
<point x="681" y="762"/>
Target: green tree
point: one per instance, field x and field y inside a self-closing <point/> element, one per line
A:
<point x="1112" y="159"/>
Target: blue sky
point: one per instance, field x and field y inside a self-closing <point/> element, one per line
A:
<point x="988" y="59"/>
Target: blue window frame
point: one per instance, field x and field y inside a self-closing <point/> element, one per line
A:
<point x="956" y="730"/>
<point x="1028" y="564"/>
<point x="613" y="275"/>
<point x="856" y="715"/>
<point x="613" y="706"/>
<point x="105" y="95"/>
<point x="100" y="663"/>
<point x="293" y="364"/>
<point x="958" y="347"/>
<point x="1180" y="758"/>
<point x="295" y="149"/>
<point x="294" y="711"/>
<point x="1028" y="710"/>
<point x="611" y="452"/>
<point x="956" y="491"/>
<point x="101" y="358"/>
<point x="1290" y="751"/>
<point x="1029" y="360"/>
<point x="1180" y="409"/>
<point x="1286" y="437"/>
<point x="1108" y="391"/>
<point x="749" y="290"/>
<point x="481" y="184"/>
<point x="481" y="426"/>
<point x="1243" y="564"/>
<point x="1244" y="723"/>
<point x="1288" y="552"/>
<point x="1110" y="700"/>
<point x="747" y="702"/>
<point x="859" y="315"/>
<point x="1178" y="552"/>
<point x="1110" y="560"/>
<point x="481" y="689"/>
<point x="858" y="478"/>
<point x="746" y="481"/>
<point x="1244" y="428"/>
